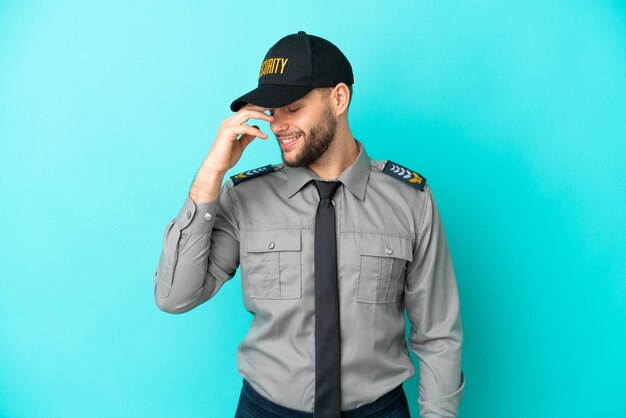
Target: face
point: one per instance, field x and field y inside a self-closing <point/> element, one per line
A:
<point x="310" y="122"/>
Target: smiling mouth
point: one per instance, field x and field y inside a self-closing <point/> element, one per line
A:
<point x="289" y="139"/>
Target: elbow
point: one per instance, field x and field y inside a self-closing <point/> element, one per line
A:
<point x="184" y="291"/>
<point x="166" y="305"/>
<point x="173" y="303"/>
<point x="165" y="302"/>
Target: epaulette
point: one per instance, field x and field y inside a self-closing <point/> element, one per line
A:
<point x="256" y="172"/>
<point x="410" y="177"/>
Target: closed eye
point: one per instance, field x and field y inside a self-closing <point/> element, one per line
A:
<point x="271" y="112"/>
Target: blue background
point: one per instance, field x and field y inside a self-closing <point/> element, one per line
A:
<point x="514" y="111"/>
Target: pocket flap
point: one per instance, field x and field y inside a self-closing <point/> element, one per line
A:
<point x="273" y="240"/>
<point x="387" y="246"/>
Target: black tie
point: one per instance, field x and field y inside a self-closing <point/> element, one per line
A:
<point x="327" y="345"/>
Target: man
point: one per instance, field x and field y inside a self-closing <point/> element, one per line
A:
<point x="333" y="246"/>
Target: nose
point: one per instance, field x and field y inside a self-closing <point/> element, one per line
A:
<point x="278" y="124"/>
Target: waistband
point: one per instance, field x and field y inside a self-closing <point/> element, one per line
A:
<point x="385" y="404"/>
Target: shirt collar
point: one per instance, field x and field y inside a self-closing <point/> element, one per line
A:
<point x="354" y="177"/>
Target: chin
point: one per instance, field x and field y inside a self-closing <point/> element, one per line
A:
<point x="291" y="162"/>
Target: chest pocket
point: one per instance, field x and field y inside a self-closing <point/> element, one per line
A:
<point x="382" y="263"/>
<point x="271" y="264"/>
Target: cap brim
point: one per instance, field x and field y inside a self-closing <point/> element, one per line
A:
<point x="271" y="96"/>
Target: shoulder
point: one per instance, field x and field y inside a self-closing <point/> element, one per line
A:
<point x="401" y="173"/>
<point x="255" y="172"/>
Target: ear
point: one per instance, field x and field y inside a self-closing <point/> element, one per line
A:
<point x="340" y="98"/>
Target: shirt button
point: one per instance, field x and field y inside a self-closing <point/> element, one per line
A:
<point x="388" y="250"/>
<point x="332" y="202"/>
<point x="271" y="245"/>
<point x="188" y="214"/>
<point x="208" y="216"/>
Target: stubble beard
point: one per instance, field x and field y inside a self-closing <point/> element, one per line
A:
<point x="316" y="143"/>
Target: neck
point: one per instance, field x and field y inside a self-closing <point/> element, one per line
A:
<point x="341" y="154"/>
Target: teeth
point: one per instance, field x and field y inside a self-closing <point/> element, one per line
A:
<point x="290" y="139"/>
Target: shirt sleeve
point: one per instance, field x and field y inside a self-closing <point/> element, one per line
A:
<point x="432" y="304"/>
<point x="200" y="253"/>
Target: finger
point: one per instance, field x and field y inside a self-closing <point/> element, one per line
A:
<point x="246" y="139"/>
<point x="255" y="107"/>
<point x="243" y="116"/>
<point x="245" y="108"/>
<point x="247" y="114"/>
<point x="247" y="129"/>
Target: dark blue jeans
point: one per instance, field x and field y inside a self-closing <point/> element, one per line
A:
<point x="253" y="405"/>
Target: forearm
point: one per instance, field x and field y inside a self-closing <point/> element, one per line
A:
<point x="441" y="378"/>
<point x="206" y="184"/>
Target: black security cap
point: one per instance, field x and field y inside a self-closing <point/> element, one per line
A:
<point x="293" y="67"/>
